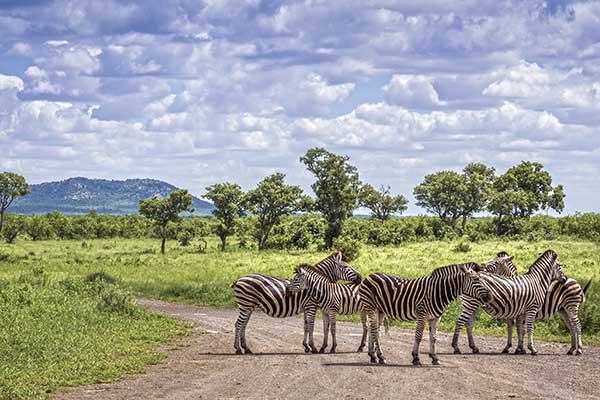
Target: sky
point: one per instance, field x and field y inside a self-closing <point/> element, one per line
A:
<point x="200" y="92"/>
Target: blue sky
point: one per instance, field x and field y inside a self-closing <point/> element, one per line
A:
<point x="199" y="92"/>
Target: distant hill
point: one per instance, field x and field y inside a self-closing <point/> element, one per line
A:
<point x="80" y="195"/>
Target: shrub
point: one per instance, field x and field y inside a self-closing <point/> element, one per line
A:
<point x="349" y="247"/>
<point x="462" y="247"/>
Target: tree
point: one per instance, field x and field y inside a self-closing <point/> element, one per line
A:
<point x="228" y="201"/>
<point x="38" y="227"/>
<point x="479" y="180"/>
<point x="522" y="191"/>
<point x="163" y="211"/>
<point x="14" y="224"/>
<point x="11" y="187"/>
<point x="271" y="200"/>
<point x="441" y="193"/>
<point x="452" y="195"/>
<point x="380" y="202"/>
<point x="337" y="189"/>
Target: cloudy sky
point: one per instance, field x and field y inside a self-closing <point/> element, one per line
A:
<point x="199" y="92"/>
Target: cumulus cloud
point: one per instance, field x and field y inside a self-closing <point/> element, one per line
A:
<point x="411" y="91"/>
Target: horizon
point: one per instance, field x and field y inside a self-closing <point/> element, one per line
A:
<point x="194" y="93"/>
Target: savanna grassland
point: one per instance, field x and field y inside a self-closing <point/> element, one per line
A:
<point x="185" y="275"/>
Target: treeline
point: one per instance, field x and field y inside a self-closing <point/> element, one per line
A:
<point x="293" y="232"/>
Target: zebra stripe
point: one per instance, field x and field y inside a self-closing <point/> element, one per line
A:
<point x="522" y="297"/>
<point x="268" y="293"/>
<point x="564" y="298"/>
<point x="421" y="299"/>
<point x="332" y="298"/>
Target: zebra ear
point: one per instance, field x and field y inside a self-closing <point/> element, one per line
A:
<point x="465" y="269"/>
<point x="339" y="257"/>
<point x="510" y="258"/>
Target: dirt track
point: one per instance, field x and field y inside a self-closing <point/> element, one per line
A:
<point x="207" y="368"/>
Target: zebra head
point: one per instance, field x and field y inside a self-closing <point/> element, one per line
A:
<point x="342" y="271"/>
<point x="471" y="283"/>
<point x="500" y="265"/>
<point x="298" y="283"/>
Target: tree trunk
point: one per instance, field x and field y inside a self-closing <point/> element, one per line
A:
<point x="464" y="223"/>
<point x="223" y="242"/>
<point x="1" y="219"/>
<point x="162" y="245"/>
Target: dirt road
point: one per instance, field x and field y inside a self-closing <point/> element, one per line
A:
<point x="206" y="368"/>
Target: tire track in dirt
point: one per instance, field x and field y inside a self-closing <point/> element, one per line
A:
<point x="205" y="367"/>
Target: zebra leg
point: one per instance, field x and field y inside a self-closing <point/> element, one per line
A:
<point x="373" y="334"/>
<point x="566" y="317"/>
<point x="520" y="334"/>
<point x="432" y="339"/>
<point x="363" y="320"/>
<point x="332" y="321"/>
<point x="530" y="319"/>
<point x="309" y="315"/>
<point x="470" y="323"/>
<point x="240" y="331"/>
<point x="575" y="325"/>
<point x="460" y="322"/>
<point x="418" y="337"/>
<point x="325" y="331"/>
<point x="509" y="328"/>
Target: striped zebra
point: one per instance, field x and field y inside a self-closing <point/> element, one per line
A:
<point x="332" y="298"/>
<point x="268" y="293"/>
<point x="522" y="297"/>
<point x="421" y="299"/>
<point x="564" y="298"/>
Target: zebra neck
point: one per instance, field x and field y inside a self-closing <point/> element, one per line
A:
<point x="316" y="283"/>
<point x="325" y="268"/>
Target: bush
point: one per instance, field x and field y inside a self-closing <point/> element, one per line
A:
<point x="349" y="247"/>
<point x="462" y="247"/>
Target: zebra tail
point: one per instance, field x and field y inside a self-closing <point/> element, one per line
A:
<point x="587" y="285"/>
<point x="386" y="325"/>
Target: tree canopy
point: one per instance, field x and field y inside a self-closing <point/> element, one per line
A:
<point x="228" y="199"/>
<point x="163" y="211"/>
<point x="271" y="200"/>
<point x="381" y="203"/>
<point x="11" y="186"/>
<point x="337" y="188"/>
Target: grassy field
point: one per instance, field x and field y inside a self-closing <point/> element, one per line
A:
<point x="187" y="276"/>
<point x="57" y="333"/>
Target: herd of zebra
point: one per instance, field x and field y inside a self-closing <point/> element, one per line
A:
<point x="493" y="286"/>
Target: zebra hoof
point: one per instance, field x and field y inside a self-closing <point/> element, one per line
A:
<point x="570" y="352"/>
<point x="457" y="351"/>
<point x="332" y="350"/>
<point x="373" y="360"/>
<point x="238" y="352"/>
<point x="322" y="350"/>
<point x="505" y="350"/>
<point x="381" y="361"/>
<point x="248" y="351"/>
<point x="416" y="362"/>
<point x="579" y="352"/>
<point x="533" y="351"/>
<point x="436" y="362"/>
<point x="519" y="350"/>
<point x="314" y="351"/>
<point x="475" y="350"/>
<point x="307" y="349"/>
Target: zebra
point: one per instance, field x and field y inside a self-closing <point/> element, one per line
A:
<point x="332" y="298"/>
<point x="421" y="299"/>
<point x="522" y="297"/>
<point x="564" y="298"/>
<point x="268" y="293"/>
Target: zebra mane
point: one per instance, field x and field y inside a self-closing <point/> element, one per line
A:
<point x="300" y="266"/>
<point x="448" y="269"/>
<point x="548" y="254"/>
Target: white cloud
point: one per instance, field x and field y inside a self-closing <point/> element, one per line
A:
<point x="412" y="91"/>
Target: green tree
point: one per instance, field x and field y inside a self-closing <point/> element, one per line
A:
<point x="61" y="225"/>
<point x="441" y="193"/>
<point x="522" y="191"/>
<point x="11" y="187"/>
<point x="478" y="189"/>
<point x="14" y="225"/>
<point x="228" y="201"/>
<point x="271" y="200"/>
<point x="337" y="189"/>
<point x="38" y="227"/>
<point x="163" y="211"/>
<point x="381" y="203"/>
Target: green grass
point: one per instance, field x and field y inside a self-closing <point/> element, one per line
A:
<point x="184" y="276"/>
<point x="55" y="334"/>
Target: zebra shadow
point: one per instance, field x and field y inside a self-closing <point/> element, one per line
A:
<point x="497" y="354"/>
<point x="368" y="364"/>
<point x="275" y="354"/>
